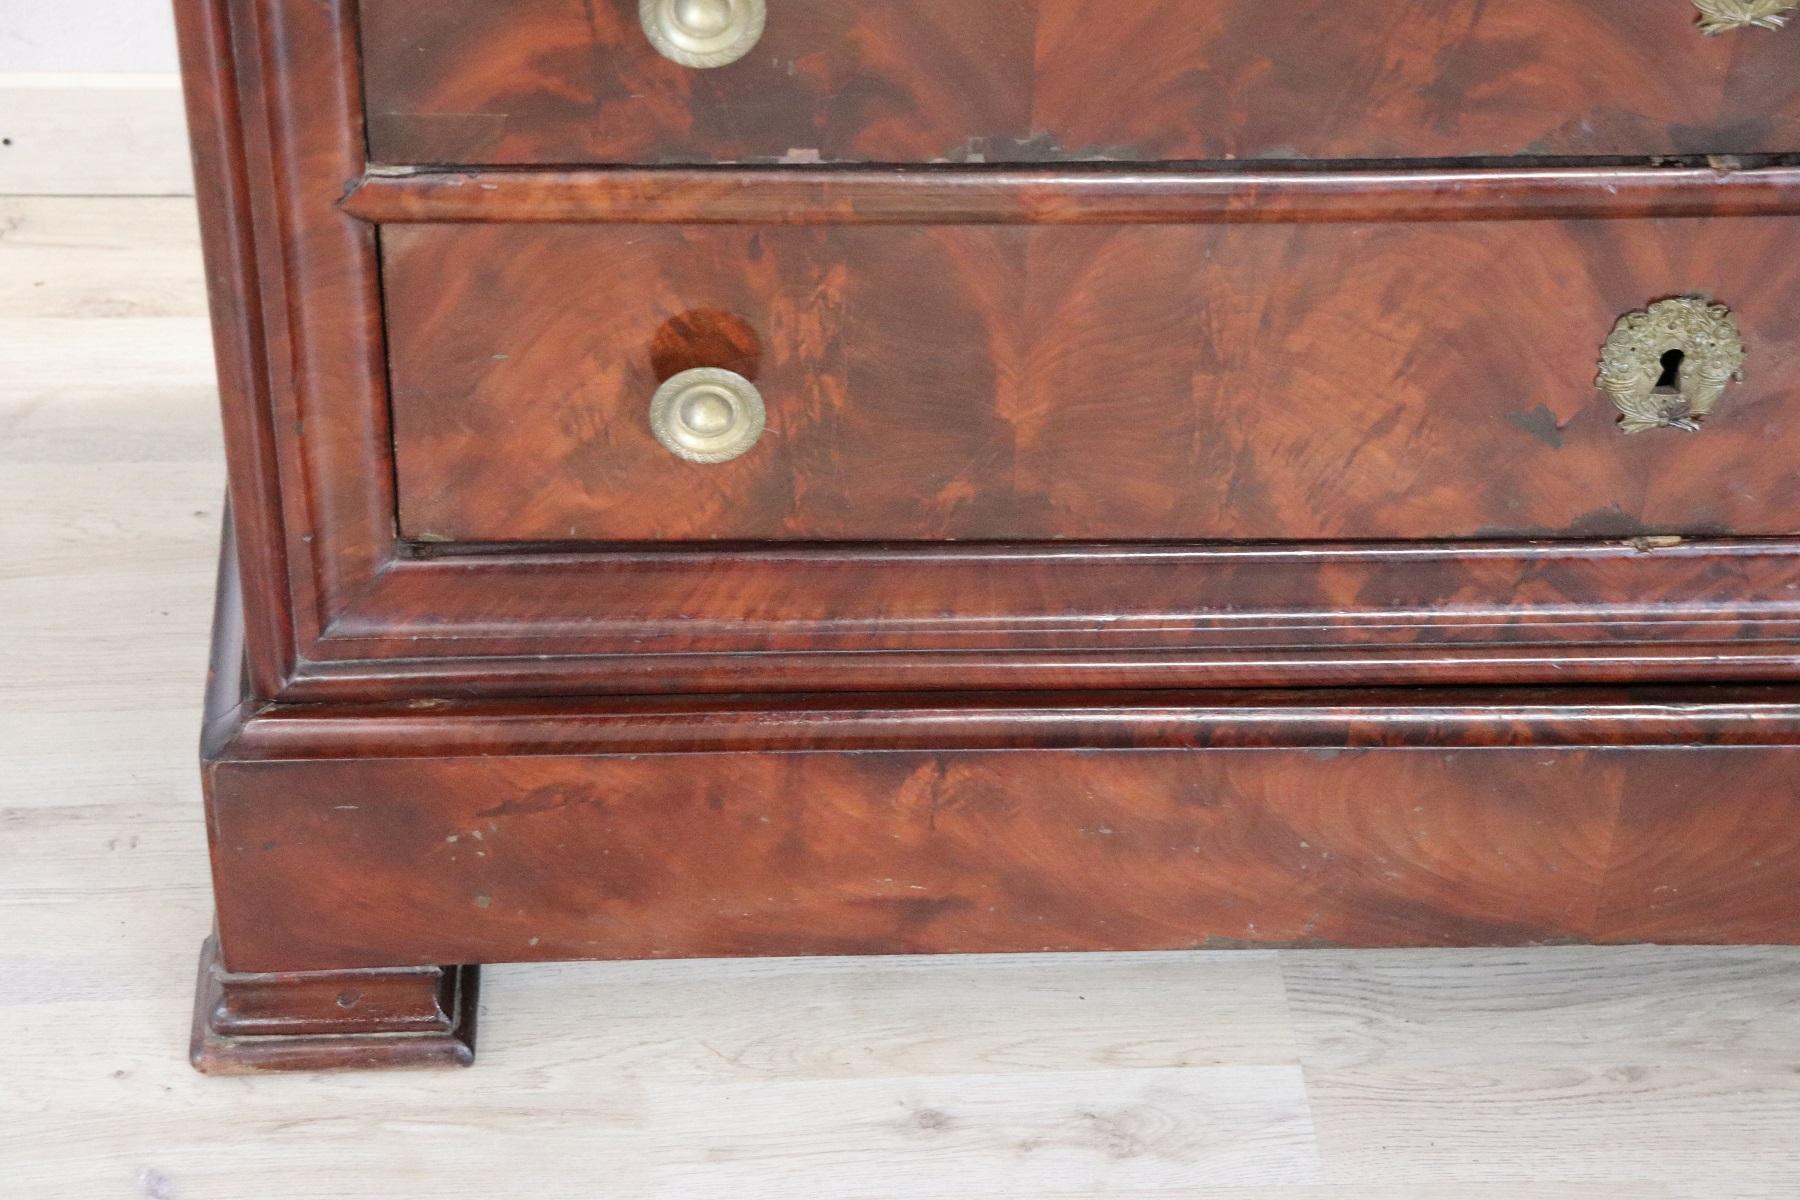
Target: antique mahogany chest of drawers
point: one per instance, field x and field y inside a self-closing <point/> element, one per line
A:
<point x="733" y="477"/>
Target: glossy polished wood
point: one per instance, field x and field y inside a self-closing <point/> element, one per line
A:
<point x="372" y="616"/>
<point x="1626" y="590"/>
<point x="374" y="837"/>
<point x="224" y="180"/>
<point x="522" y="850"/>
<point x="1047" y="451"/>
<point x="1067" y="195"/>
<point x="575" y="81"/>
<point x="1336" y="382"/>
<point x="1325" y="718"/>
<point x="1638" y="650"/>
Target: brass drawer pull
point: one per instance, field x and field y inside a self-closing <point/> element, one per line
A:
<point x="1667" y="366"/>
<point x="1724" y="16"/>
<point x="707" y="415"/>
<point x="703" y="33"/>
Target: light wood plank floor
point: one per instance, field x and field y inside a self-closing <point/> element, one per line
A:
<point x="1561" y="1073"/>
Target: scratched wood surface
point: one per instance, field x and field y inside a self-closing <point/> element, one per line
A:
<point x="369" y="862"/>
<point x="568" y="81"/>
<point x="1310" y="382"/>
<point x="1553" y="1074"/>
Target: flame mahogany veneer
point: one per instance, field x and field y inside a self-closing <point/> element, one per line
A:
<point x="1143" y="551"/>
<point x="549" y="82"/>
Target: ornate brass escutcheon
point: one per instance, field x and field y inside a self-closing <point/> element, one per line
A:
<point x="1724" y="16"/>
<point x="703" y="33"/>
<point x="1667" y="366"/>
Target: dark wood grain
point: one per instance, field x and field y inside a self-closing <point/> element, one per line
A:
<point x="374" y="616"/>
<point x="1217" y="719"/>
<point x="532" y="848"/>
<point x="1093" y="497"/>
<point x="576" y="81"/>
<point x="223" y="181"/>
<point x="401" y="667"/>
<point x="1023" y="383"/>
<point x="1067" y="195"/>
<point x="248" y="1024"/>
<point x="1086" y="598"/>
<point x="1733" y="843"/>
<point x="351" y="843"/>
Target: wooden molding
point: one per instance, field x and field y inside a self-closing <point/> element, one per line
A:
<point x="1064" y="195"/>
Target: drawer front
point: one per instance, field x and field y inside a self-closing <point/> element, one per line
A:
<point x="928" y="374"/>
<point x="581" y="81"/>
<point x="1036" y="383"/>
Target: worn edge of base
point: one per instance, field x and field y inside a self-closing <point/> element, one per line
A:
<point x="213" y="1053"/>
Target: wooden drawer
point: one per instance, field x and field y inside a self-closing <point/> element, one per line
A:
<point x="579" y="81"/>
<point x="1070" y="556"/>
<point x="1059" y="427"/>
<point x="1096" y="383"/>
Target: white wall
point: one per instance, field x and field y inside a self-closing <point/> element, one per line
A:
<point x="73" y="36"/>
<point x="89" y="99"/>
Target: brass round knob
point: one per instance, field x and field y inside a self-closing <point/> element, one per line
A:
<point x="703" y="33"/>
<point x="707" y="415"/>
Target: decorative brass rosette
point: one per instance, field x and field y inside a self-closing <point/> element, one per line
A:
<point x="1724" y="16"/>
<point x="1703" y="339"/>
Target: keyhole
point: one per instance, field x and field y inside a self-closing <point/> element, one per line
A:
<point x="1670" y="379"/>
